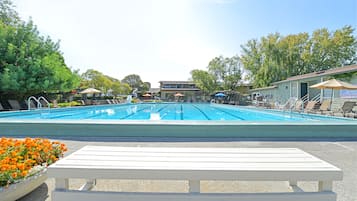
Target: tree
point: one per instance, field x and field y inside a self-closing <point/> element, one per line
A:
<point x="96" y="79"/>
<point x="135" y="82"/>
<point x="205" y="81"/>
<point x="227" y="71"/>
<point x="8" y="14"/>
<point x="275" y="57"/>
<point x="31" y="64"/>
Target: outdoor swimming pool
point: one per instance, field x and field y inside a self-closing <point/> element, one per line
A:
<point x="173" y="120"/>
<point x="166" y="111"/>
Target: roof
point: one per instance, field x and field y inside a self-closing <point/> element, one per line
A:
<point x="179" y="89"/>
<point x="176" y="82"/>
<point x="263" y="88"/>
<point x="333" y="71"/>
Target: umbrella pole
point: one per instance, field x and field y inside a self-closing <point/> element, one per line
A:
<point x="331" y="99"/>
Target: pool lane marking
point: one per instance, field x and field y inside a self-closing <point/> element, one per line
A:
<point x="181" y="114"/>
<point x="238" y="117"/>
<point x="125" y="117"/>
<point x="202" y="112"/>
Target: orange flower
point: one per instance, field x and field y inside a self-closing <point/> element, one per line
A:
<point x="17" y="157"/>
<point x="14" y="175"/>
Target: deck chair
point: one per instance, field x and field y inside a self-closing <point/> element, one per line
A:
<point x="108" y="101"/>
<point x="325" y="106"/>
<point x="347" y="107"/>
<point x="298" y="106"/>
<point x="310" y="106"/>
<point x="82" y="102"/>
<point x="32" y="105"/>
<point x="2" y="108"/>
<point x="15" y="105"/>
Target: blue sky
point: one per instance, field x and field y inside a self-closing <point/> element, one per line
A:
<point x="166" y="39"/>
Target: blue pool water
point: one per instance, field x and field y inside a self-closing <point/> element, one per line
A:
<point x="164" y="111"/>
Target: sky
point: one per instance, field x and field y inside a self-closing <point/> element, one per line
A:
<point x="166" y="39"/>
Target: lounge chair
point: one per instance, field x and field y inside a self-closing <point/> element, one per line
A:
<point x="2" y="108"/>
<point x="15" y="105"/>
<point x="32" y="105"/>
<point x="82" y="102"/>
<point x="298" y="106"/>
<point x="347" y="107"/>
<point x="109" y="101"/>
<point x="325" y="106"/>
<point x="310" y="106"/>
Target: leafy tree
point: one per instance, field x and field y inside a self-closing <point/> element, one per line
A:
<point x="30" y="63"/>
<point x="227" y="71"/>
<point x="205" y="81"/>
<point x="8" y="14"/>
<point x="134" y="81"/>
<point x="96" y="79"/>
<point x="275" y="57"/>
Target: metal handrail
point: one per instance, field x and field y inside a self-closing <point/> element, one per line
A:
<point x="29" y="102"/>
<point x="46" y="101"/>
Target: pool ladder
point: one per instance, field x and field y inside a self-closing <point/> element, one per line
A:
<point x="38" y="101"/>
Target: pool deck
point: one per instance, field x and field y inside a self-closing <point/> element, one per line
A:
<point x="342" y="154"/>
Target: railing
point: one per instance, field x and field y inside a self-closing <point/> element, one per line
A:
<point x="46" y="101"/>
<point x="305" y="98"/>
<point x="29" y="102"/>
<point x="317" y="98"/>
<point x="38" y="101"/>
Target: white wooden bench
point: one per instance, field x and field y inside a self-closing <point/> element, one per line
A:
<point x="193" y="165"/>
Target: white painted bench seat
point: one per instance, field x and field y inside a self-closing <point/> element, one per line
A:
<point x="194" y="165"/>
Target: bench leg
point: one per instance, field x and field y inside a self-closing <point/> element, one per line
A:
<point x="295" y="187"/>
<point x="88" y="185"/>
<point x="62" y="184"/>
<point x="325" y="186"/>
<point x="194" y="186"/>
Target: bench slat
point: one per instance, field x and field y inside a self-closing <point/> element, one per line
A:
<point x="244" y="175"/>
<point x="261" y="159"/>
<point x="192" y="149"/>
<point x="193" y="165"/>
<point x="112" y="196"/>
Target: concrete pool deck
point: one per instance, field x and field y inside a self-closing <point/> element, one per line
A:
<point x="342" y="154"/>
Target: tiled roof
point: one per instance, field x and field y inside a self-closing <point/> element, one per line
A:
<point x="333" y="71"/>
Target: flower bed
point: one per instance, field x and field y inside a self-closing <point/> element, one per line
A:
<point x="21" y="159"/>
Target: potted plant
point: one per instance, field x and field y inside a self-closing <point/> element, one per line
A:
<point x="23" y="164"/>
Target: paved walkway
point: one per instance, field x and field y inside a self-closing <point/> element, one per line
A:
<point x="342" y="154"/>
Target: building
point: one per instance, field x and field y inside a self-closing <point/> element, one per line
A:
<point x="299" y="86"/>
<point x="188" y="89"/>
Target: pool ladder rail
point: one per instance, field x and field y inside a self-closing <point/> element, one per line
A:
<point x="38" y="101"/>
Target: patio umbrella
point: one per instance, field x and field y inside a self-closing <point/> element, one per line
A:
<point x="146" y="95"/>
<point x="333" y="84"/>
<point x="220" y="94"/>
<point x="179" y="95"/>
<point x="90" y="91"/>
